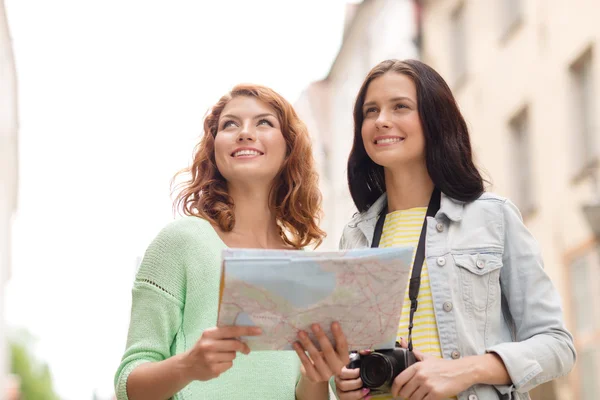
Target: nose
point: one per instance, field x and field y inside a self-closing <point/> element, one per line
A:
<point x="246" y="134"/>
<point x="382" y="121"/>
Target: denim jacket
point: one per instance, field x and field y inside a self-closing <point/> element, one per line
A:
<point x="490" y="291"/>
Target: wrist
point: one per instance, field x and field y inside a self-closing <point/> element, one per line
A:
<point x="306" y="389"/>
<point x="183" y="366"/>
<point x="471" y="371"/>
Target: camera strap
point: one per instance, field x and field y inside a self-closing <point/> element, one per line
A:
<point x="415" y="278"/>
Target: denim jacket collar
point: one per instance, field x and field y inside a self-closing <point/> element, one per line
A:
<point x="365" y="221"/>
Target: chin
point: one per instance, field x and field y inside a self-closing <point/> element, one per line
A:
<point x="389" y="161"/>
<point x="251" y="176"/>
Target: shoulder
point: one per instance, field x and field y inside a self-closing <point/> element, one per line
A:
<point x="370" y="213"/>
<point x="179" y="243"/>
<point x="487" y="201"/>
<point x="491" y="205"/>
<point x="491" y="199"/>
<point x="491" y="196"/>
<point x="185" y="230"/>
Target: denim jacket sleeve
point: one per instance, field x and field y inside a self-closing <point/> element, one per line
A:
<point x="543" y="348"/>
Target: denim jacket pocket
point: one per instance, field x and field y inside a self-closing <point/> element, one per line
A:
<point x="479" y="274"/>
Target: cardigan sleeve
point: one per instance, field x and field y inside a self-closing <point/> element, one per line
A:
<point x="157" y="305"/>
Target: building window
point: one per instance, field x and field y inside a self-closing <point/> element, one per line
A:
<point x="584" y="153"/>
<point x="459" y="45"/>
<point x="511" y="15"/>
<point x="584" y="293"/>
<point x="522" y="166"/>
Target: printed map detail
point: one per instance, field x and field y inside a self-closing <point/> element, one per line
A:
<point x="287" y="291"/>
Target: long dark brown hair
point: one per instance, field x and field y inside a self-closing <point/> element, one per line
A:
<point x="448" y="152"/>
<point x="295" y="196"/>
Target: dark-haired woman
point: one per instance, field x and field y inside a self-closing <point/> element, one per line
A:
<point x="486" y="320"/>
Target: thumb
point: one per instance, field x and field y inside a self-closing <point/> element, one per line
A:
<point x="403" y="343"/>
<point x="420" y="356"/>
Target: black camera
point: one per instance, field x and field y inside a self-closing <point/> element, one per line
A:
<point x="379" y="368"/>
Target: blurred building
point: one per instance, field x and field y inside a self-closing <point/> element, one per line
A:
<point x="374" y="31"/>
<point x="13" y="388"/>
<point x="8" y="173"/>
<point x="526" y="74"/>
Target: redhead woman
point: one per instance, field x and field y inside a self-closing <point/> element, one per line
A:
<point x="252" y="184"/>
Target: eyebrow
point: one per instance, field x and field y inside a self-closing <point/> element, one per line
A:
<point x="392" y="100"/>
<point x="255" y="117"/>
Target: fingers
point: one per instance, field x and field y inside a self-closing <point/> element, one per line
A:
<point x="365" y="352"/>
<point x="353" y="395"/>
<point x="231" y="332"/>
<point x="316" y="357"/>
<point x="409" y="389"/>
<point x="349" y="373"/>
<point x="420" y="356"/>
<point x="341" y="343"/>
<point x="231" y="345"/>
<point x="334" y="362"/>
<point x="403" y="379"/>
<point x="223" y="345"/>
<point x="403" y="343"/>
<point x="309" y="369"/>
<point x="218" y="368"/>
<point x="420" y="393"/>
<point x="215" y="358"/>
<point x="347" y="385"/>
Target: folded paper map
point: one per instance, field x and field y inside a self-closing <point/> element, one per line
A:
<point x="285" y="291"/>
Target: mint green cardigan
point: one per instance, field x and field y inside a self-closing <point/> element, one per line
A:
<point x="174" y="299"/>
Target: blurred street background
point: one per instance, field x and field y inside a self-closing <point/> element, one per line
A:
<point x="102" y="102"/>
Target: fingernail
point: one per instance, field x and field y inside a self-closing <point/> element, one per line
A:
<point x="257" y="331"/>
<point x="302" y="335"/>
<point x="365" y="390"/>
<point x="316" y="328"/>
<point x="335" y="326"/>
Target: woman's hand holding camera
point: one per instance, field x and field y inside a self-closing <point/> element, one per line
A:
<point x="436" y="378"/>
<point x="215" y="351"/>
<point x="432" y="379"/>
<point x="348" y="384"/>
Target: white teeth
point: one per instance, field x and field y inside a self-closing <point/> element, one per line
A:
<point x="246" y="153"/>
<point x="389" y="140"/>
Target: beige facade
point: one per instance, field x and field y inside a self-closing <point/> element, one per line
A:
<point x="8" y="174"/>
<point x="375" y="30"/>
<point x="526" y="75"/>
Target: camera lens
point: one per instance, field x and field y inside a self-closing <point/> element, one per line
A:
<point x="375" y="370"/>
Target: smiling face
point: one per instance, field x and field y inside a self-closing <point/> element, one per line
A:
<point x="391" y="128"/>
<point x="249" y="144"/>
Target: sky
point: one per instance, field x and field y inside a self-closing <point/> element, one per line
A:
<point x="111" y="99"/>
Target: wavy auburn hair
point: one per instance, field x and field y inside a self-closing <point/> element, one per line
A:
<point x="295" y="197"/>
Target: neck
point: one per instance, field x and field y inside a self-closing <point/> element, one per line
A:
<point x="255" y="223"/>
<point x="408" y="187"/>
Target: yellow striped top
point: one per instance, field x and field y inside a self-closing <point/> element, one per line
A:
<point x="403" y="228"/>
